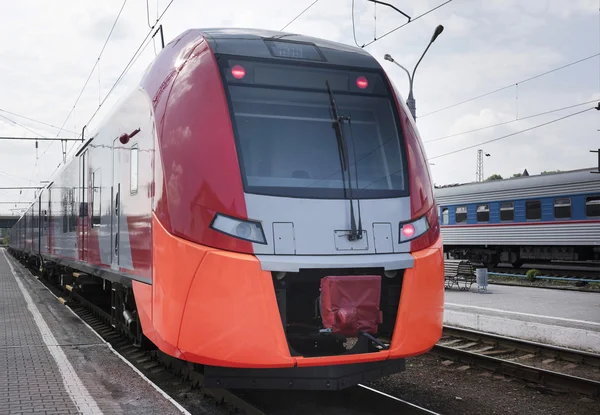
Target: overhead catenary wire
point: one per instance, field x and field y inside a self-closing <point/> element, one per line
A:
<point x="507" y="122"/>
<point x="512" y="134"/>
<point x="488" y="141"/>
<point x="129" y="65"/>
<point x="87" y="80"/>
<point x="36" y="121"/>
<point x="298" y="15"/>
<point x="511" y="85"/>
<point x="407" y="23"/>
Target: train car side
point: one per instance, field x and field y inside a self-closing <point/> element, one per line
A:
<point x="534" y="219"/>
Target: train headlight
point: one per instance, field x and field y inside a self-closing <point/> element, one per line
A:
<point x="412" y="230"/>
<point x="239" y="228"/>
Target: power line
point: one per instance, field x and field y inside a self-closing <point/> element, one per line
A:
<point x="297" y="16"/>
<point x="22" y="126"/>
<point x="36" y="121"/>
<point x="409" y="22"/>
<point x="89" y="76"/>
<point x="511" y="85"/>
<point x="512" y="134"/>
<point x="508" y="122"/>
<point x="129" y="65"/>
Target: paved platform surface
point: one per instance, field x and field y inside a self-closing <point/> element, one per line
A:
<point x="564" y="318"/>
<point x="52" y="363"/>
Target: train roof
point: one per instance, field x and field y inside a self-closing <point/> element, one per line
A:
<point x="250" y="42"/>
<point x="568" y="182"/>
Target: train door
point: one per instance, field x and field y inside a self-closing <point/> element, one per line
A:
<point x="83" y="222"/>
<point x="116" y="199"/>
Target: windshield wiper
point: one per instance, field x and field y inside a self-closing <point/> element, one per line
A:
<point x="345" y="164"/>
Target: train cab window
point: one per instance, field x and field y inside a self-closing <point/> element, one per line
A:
<point x="533" y="210"/>
<point x="445" y="216"/>
<point x="562" y="208"/>
<point x="461" y="214"/>
<point x="286" y="143"/>
<point x="483" y="213"/>
<point x="592" y="206"/>
<point x="507" y="211"/>
<point x="134" y="170"/>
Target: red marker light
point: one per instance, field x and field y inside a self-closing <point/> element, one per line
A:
<point x="238" y="71"/>
<point x="362" y="82"/>
<point x="408" y="230"/>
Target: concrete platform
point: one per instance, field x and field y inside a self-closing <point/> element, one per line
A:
<point x="52" y="363"/>
<point x="563" y="318"/>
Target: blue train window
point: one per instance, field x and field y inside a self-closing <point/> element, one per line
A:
<point x="507" y="211"/>
<point x="461" y="214"/>
<point x="592" y="206"/>
<point x="533" y="210"/>
<point x="562" y="208"/>
<point x="483" y="213"/>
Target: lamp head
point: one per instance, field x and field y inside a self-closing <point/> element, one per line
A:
<point x="388" y="57"/>
<point x="438" y="31"/>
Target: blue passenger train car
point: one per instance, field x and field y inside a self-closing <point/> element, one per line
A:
<point x="524" y="219"/>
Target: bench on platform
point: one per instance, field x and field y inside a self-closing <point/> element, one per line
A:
<point x="459" y="272"/>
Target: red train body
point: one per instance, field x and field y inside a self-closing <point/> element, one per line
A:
<point x="210" y="206"/>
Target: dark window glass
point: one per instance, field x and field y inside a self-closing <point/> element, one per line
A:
<point x="96" y="198"/>
<point x="562" y="208"/>
<point x="461" y="214"/>
<point x="592" y="206"/>
<point x="445" y="218"/>
<point x="533" y="209"/>
<point x="286" y="138"/>
<point x="65" y="207"/>
<point x="483" y="213"/>
<point x="507" y="211"/>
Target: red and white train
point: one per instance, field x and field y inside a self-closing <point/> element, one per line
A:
<point x="260" y="205"/>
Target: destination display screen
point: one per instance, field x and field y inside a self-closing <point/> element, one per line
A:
<point x="294" y="50"/>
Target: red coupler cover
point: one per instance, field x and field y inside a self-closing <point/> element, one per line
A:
<point x="351" y="303"/>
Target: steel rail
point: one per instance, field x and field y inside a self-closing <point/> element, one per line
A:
<point x="548" y="350"/>
<point x="544" y="377"/>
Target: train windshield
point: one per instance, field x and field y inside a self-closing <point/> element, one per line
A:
<point x="286" y="138"/>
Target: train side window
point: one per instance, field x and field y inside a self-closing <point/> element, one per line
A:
<point x="461" y="214"/>
<point x="533" y="210"/>
<point x="562" y="208"/>
<point x="445" y="216"/>
<point x="483" y="213"/>
<point x="134" y="170"/>
<point x="592" y="206"/>
<point x="65" y="217"/>
<point x="96" y="198"/>
<point x="507" y="211"/>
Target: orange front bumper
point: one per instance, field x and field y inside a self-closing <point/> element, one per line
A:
<point x="219" y="308"/>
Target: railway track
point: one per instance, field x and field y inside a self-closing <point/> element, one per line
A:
<point x="183" y="379"/>
<point x="523" y="360"/>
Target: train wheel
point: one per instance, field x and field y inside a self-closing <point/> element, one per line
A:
<point x="518" y="263"/>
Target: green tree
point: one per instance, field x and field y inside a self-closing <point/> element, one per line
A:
<point x="494" y="177"/>
<point x="517" y="175"/>
<point x="551" y="171"/>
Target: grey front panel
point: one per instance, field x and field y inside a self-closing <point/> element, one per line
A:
<point x="320" y="226"/>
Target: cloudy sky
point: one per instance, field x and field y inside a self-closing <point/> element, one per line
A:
<point x="49" y="49"/>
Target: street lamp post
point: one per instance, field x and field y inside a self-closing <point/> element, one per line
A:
<point x="410" y="101"/>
